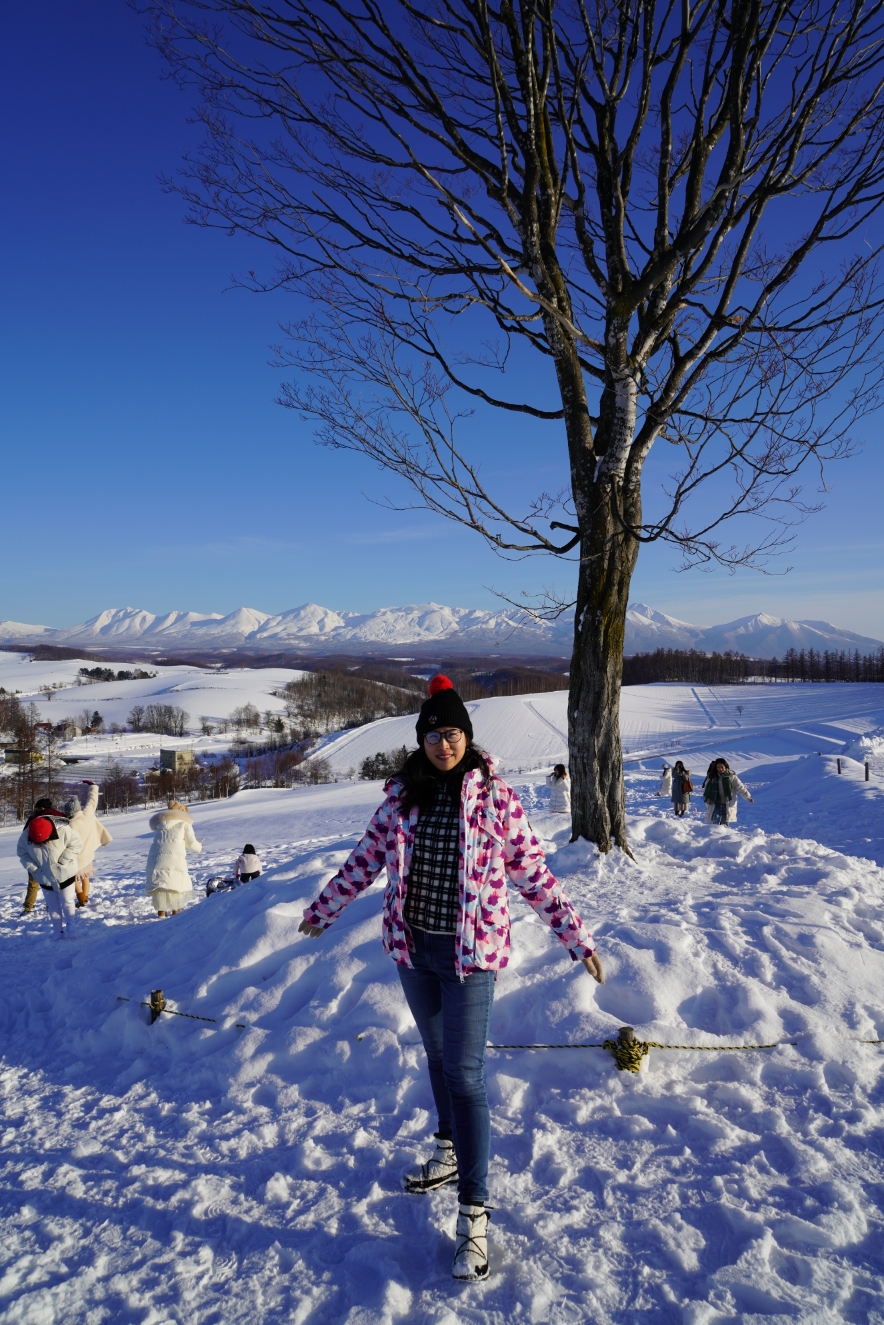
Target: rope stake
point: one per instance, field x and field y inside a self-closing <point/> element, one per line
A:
<point x="157" y="1005"/>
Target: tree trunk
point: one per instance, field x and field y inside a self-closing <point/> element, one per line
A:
<point x="602" y="482"/>
<point x="608" y="557"/>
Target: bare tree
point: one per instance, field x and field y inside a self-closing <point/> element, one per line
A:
<point x="635" y="194"/>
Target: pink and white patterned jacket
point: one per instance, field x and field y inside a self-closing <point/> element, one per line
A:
<point x="496" y="845"/>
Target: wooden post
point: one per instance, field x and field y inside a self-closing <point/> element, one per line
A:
<point x="626" y="1034"/>
<point x="867" y="770"/>
<point x="157" y="1004"/>
<point x="838" y="762"/>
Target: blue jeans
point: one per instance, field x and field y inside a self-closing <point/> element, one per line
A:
<point x="452" y="1018"/>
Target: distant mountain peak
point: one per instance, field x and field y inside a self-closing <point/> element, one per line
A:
<point x="641" y="610"/>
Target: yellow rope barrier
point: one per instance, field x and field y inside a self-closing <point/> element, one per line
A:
<point x="628" y="1051"/>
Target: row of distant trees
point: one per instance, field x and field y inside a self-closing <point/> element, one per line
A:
<point x="325" y="701"/>
<point x="736" y="668"/>
<point x="95" y="674"/>
<point x="828" y="665"/>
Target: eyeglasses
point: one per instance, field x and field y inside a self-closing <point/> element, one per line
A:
<point x="450" y="737"/>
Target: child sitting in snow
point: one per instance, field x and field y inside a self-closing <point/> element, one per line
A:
<point x="247" y="865"/>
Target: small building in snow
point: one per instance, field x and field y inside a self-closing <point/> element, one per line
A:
<point x="14" y="756"/>
<point x="176" y="761"/>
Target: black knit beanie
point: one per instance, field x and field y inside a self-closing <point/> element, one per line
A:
<point x="444" y="708"/>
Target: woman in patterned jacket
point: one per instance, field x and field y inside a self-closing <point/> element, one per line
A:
<point x="451" y="834"/>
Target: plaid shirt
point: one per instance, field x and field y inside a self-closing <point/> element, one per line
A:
<point x="431" y="898"/>
<point x="499" y="848"/>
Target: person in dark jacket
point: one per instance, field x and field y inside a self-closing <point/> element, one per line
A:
<point x="681" y="788"/>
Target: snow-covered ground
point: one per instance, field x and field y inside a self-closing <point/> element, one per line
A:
<point x="196" y="1172"/>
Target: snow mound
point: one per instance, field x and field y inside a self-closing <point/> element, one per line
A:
<point x="869" y="746"/>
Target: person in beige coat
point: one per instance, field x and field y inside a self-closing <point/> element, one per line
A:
<point x="92" y="834"/>
<point x="168" y="880"/>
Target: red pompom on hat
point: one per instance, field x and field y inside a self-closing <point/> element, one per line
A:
<point x="443" y="708"/>
<point x="40" y="830"/>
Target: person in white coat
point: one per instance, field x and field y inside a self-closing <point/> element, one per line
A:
<point x="560" y="790"/>
<point x="49" y="848"/>
<point x="92" y="835"/>
<point x="721" y="787"/>
<point x="168" y="880"/>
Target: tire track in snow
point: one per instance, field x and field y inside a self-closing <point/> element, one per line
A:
<point x="735" y="722"/>
<point x="712" y="722"/>
<point x="546" y="722"/>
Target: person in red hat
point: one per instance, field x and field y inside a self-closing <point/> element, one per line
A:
<point x="43" y="806"/>
<point x="451" y="835"/>
<point x="49" y="850"/>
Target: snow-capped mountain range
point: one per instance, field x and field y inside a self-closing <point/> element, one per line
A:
<point x="316" y="629"/>
<point x="760" y="636"/>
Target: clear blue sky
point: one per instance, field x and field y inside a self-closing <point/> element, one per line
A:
<point x="144" y="460"/>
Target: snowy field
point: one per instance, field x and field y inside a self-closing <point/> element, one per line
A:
<point x="201" y="692"/>
<point x="197" y="1172"/>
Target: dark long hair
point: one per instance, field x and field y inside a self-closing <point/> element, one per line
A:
<point x="420" y="779"/>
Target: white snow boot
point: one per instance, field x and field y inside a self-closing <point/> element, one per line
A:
<point x="438" y="1171"/>
<point x="471" y="1251"/>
